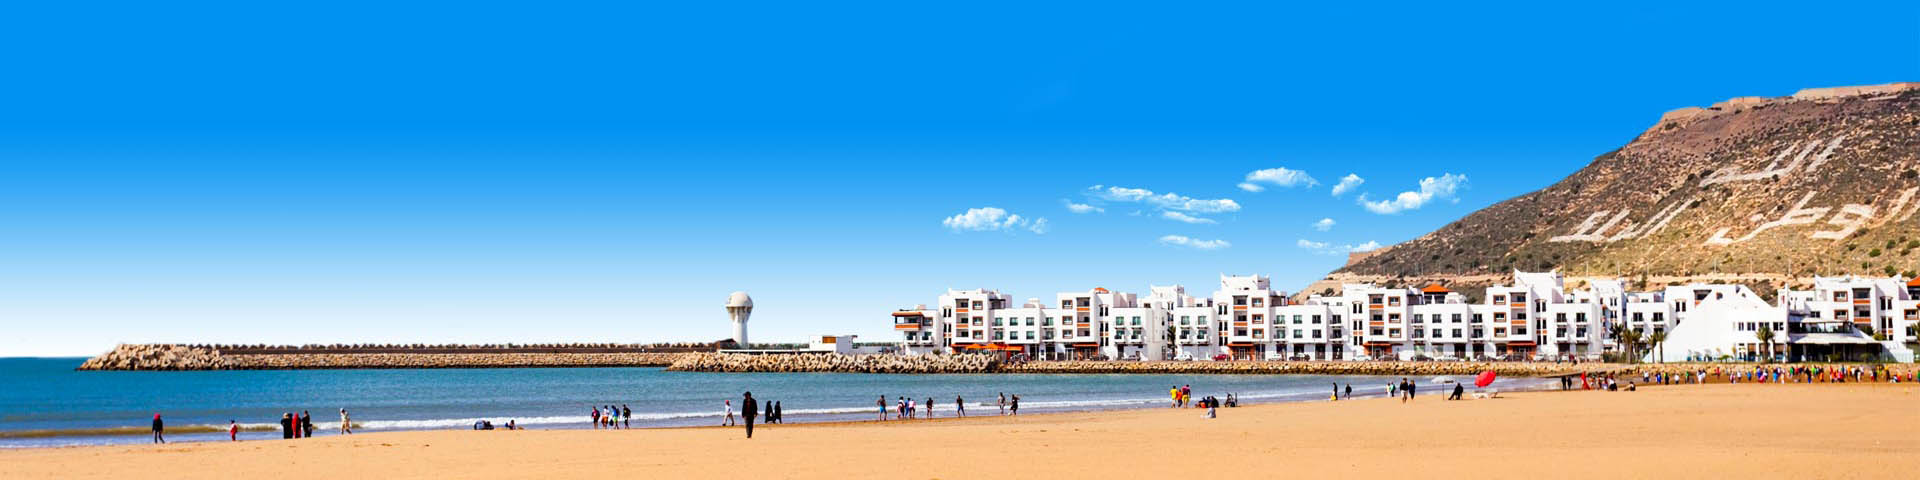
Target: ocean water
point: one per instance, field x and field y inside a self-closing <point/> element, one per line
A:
<point x="43" y="402"/>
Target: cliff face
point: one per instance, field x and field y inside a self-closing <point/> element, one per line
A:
<point x="1760" y="190"/>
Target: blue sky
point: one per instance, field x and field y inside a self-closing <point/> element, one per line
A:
<point x="609" y="171"/>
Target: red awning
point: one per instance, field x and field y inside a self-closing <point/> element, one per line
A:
<point x="1379" y="344"/>
<point x="1520" y="344"/>
<point x="1240" y="344"/>
<point x="1085" y="345"/>
<point x="908" y="314"/>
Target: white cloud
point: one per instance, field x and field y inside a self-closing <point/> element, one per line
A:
<point x="1279" y="177"/>
<point x="1172" y="215"/>
<point x="1324" y="224"/>
<point x="1164" y="201"/>
<point x="1082" y="208"/>
<point x="1431" y="188"/>
<point x="1183" y="241"/>
<point x="1347" y="184"/>
<point x="992" y="218"/>
<point x="1325" y="248"/>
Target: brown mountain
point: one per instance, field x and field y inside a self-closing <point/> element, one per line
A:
<point x="1765" y="191"/>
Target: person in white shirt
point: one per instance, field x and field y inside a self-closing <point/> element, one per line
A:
<point x="728" y="422"/>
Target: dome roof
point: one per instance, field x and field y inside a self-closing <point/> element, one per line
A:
<point x="739" y="299"/>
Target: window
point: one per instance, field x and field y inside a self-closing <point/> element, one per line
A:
<point x="1479" y="318"/>
<point x="1316" y="333"/>
<point x="1499" y="332"/>
<point x="996" y="320"/>
<point x="1393" y="332"/>
<point x="1519" y="330"/>
<point x="1296" y="319"/>
<point x="1393" y="301"/>
<point x="1136" y="321"/>
<point x="1316" y="319"/>
<point x="1456" y="333"/>
<point x="1419" y="318"/>
<point x="1419" y="333"/>
<point x="1378" y="331"/>
<point x="1256" y="302"/>
<point x="1046" y="322"/>
<point x="1029" y="321"/>
<point x="1478" y="333"/>
<point x="1456" y="318"/>
<point x="1580" y="317"/>
<point x="1393" y="317"/>
<point x="1499" y="299"/>
<point x="1560" y="317"/>
<point x="1183" y="319"/>
<point x="1657" y="316"/>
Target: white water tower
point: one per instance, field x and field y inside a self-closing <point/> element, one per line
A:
<point x="739" y="306"/>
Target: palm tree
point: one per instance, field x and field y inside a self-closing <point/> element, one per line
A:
<point x="1618" y="332"/>
<point x="1659" y="339"/>
<point x="1765" y="335"/>
<point x="1170" y="348"/>
<point x="1631" y="339"/>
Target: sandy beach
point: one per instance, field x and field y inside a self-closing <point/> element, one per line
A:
<point x="1701" y="431"/>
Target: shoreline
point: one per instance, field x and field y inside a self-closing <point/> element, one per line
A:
<point x="1701" y="428"/>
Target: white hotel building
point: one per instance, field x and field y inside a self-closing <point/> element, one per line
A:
<point x="1535" y="318"/>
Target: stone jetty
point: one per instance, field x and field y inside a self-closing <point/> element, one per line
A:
<point x="833" y="362"/>
<point x="261" y="357"/>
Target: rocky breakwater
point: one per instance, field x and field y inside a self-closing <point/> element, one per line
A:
<point x="216" y="357"/>
<point x="158" y="357"/>
<point x="1420" y="369"/>
<point x="832" y="362"/>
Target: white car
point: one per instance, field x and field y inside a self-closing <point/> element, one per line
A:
<point x="1184" y="357"/>
<point x="1362" y="358"/>
<point x="1275" y="357"/>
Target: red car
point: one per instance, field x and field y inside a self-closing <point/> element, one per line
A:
<point x="1222" y="357"/>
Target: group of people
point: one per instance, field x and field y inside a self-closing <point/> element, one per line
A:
<point x="1404" y="390"/>
<point x="612" y="417"/>
<point x="1182" y="395"/>
<point x="292" y="425"/>
<point x="770" y="411"/>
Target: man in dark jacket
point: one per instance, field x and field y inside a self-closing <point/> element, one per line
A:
<point x="306" y="424"/>
<point x="286" y="426"/>
<point x="159" y="430"/>
<point x="748" y="409"/>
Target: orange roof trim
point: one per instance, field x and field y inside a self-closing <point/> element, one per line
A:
<point x="1914" y="283"/>
<point x="1435" y="288"/>
<point x="1100" y="290"/>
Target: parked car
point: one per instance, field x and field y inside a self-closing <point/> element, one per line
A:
<point x="1362" y="358"/>
<point x="1275" y="357"/>
<point x="1447" y="358"/>
<point x="1184" y="357"/>
<point x="1222" y="357"/>
<point x="1131" y="356"/>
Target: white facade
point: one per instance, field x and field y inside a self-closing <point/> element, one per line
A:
<point x="1536" y="318"/>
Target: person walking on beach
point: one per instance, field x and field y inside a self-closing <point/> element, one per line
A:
<point x="1186" y="394"/>
<point x="1391" y="388"/>
<point x="596" y="418"/>
<point x="233" y="431"/>
<point x="1403" y="386"/>
<point x="626" y="416"/>
<point x="1336" y="392"/>
<point x="1173" y="394"/>
<point x="882" y="403"/>
<point x="306" y="423"/>
<point x="346" y="423"/>
<point x="747" y="412"/>
<point x="959" y="407"/>
<point x="1003" y="403"/>
<point x="1016" y="405"/>
<point x="286" y="426"/>
<point x="728" y="420"/>
<point x="1410" y="388"/>
<point x="159" y="430"/>
<point x="1349" y="391"/>
<point x="779" y="414"/>
<point x="929" y="407"/>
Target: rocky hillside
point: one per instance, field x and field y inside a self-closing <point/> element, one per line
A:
<point x="1765" y="191"/>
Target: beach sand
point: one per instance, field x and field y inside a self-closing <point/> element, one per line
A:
<point x="1697" y="431"/>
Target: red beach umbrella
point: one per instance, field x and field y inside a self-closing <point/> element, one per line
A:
<point x="1485" y="378"/>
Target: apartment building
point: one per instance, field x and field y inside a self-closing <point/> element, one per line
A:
<point x="1536" y="317"/>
